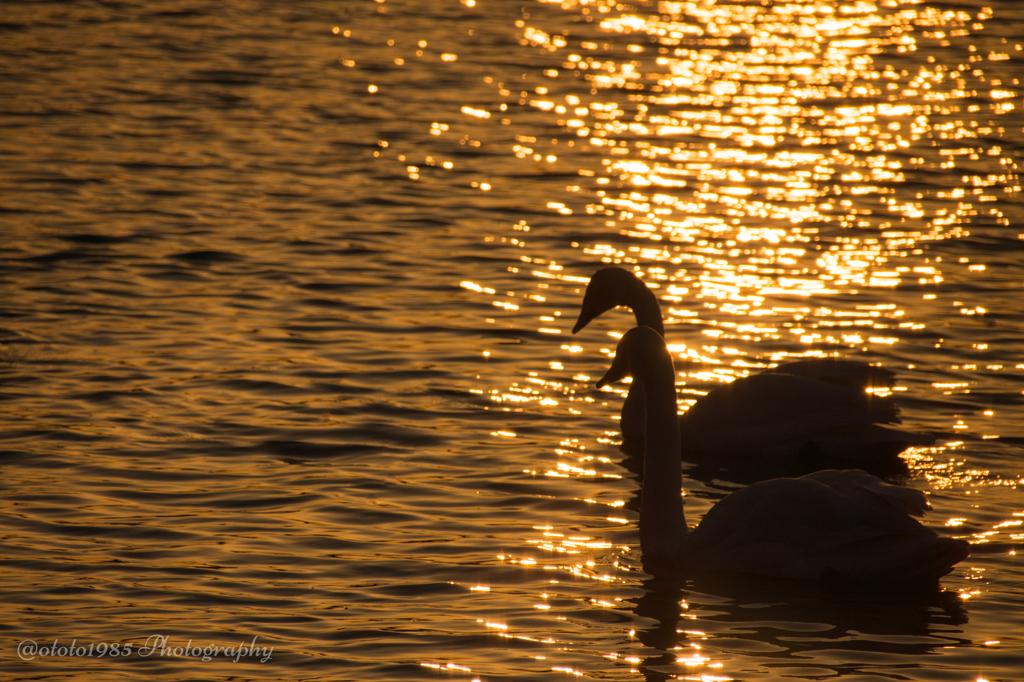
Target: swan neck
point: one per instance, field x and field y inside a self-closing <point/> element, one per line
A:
<point x="662" y="522"/>
<point x="645" y="307"/>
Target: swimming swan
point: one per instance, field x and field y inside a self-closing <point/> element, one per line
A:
<point x="799" y="417"/>
<point x="830" y="524"/>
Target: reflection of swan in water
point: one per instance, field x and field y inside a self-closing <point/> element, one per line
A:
<point x="765" y="620"/>
<point x="842" y="524"/>
<point x="799" y="417"/>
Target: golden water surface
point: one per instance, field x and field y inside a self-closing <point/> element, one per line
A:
<point x="287" y="293"/>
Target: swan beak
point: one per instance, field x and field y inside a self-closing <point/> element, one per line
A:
<point x="617" y="372"/>
<point x="587" y="313"/>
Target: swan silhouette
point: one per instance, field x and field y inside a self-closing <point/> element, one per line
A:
<point x="799" y="417"/>
<point x="845" y="524"/>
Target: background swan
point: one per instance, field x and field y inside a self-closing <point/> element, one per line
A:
<point x="830" y="524"/>
<point x="799" y="417"/>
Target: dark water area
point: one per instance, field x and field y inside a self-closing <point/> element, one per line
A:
<point x="286" y="292"/>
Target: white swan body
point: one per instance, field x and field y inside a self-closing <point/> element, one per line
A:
<point x="798" y="417"/>
<point x="830" y="524"/>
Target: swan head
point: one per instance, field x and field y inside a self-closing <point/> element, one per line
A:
<point x="641" y="353"/>
<point x="607" y="289"/>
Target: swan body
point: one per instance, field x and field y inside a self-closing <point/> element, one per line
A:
<point x="830" y="524"/>
<point x="796" y="423"/>
<point x="798" y="417"/>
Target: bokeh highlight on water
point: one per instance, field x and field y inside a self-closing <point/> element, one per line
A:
<point x="287" y="293"/>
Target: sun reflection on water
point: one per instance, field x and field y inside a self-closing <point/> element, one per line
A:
<point x="759" y="166"/>
<point x="770" y="128"/>
<point x="766" y="153"/>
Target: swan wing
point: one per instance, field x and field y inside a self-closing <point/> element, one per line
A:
<point x="838" y="371"/>
<point x="784" y="397"/>
<point x="868" y="489"/>
<point x="773" y="415"/>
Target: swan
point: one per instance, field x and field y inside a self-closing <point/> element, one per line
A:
<point x="799" y="417"/>
<point x="833" y="524"/>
